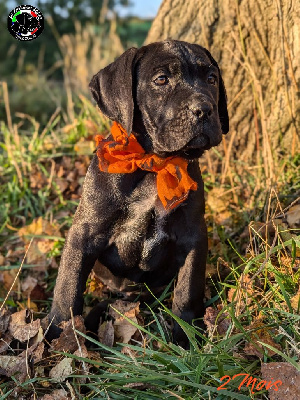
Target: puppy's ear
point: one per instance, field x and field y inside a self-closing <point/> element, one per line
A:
<point x="222" y="104"/>
<point x="111" y="87"/>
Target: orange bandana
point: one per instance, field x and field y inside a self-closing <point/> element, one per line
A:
<point x="124" y="155"/>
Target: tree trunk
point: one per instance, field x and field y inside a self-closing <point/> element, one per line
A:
<point x="257" y="45"/>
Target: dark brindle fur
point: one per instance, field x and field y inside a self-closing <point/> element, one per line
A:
<point x="171" y="95"/>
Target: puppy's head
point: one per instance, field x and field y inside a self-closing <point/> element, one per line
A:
<point x="170" y="94"/>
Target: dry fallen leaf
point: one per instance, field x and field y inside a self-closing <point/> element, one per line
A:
<point x="22" y="366"/>
<point x="67" y="162"/>
<point x="214" y="323"/>
<point x="67" y="341"/>
<point x="28" y="284"/>
<point x="37" y="253"/>
<point x="5" y="342"/>
<point x="72" y="175"/>
<point x="39" y="226"/>
<point x="22" y="327"/>
<point x="95" y="286"/>
<point x="293" y="216"/>
<point x="34" y="352"/>
<point x="61" y="183"/>
<point x="295" y="301"/>
<point x="81" y="168"/>
<point x="2" y="259"/>
<point x="7" y="364"/>
<point x="124" y="330"/>
<point x="37" y="179"/>
<point x="31" y="305"/>
<point x="217" y="201"/>
<point x="288" y="375"/>
<point x="59" y="171"/>
<point x="38" y="338"/>
<point x="106" y="333"/>
<point x="211" y="269"/>
<point x="243" y="294"/>
<point x="129" y="309"/>
<point x="57" y="394"/>
<point x="15" y="253"/>
<point x="82" y="352"/>
<point x="7" y="278"/>
<point x="84" y="146"/>
<point x="62" y="370"/>
<point x="260" y="334"/>
<point x="286" y="234"/>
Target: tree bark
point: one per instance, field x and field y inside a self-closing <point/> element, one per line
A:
<point x="257" y="45"/>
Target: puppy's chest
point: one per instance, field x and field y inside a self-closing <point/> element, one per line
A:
<point x="142" y="229"/>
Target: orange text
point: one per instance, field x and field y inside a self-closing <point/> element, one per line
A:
<point x="249" y="381"/>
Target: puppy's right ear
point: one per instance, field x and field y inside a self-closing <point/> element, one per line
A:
<point x="111" y="87"/>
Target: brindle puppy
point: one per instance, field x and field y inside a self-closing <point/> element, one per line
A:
<point x="171" y="96"/>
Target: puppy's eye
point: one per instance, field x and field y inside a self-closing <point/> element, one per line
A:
<point x="161" y="80"/>
<point x="212" y="79"/>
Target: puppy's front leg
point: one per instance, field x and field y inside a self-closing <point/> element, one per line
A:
<point x="189" y="291"/>
<point x="86" y="240"/>
<point x="83" y="245"/>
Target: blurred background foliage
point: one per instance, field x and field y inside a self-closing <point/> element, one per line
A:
<point x="79" y="38"/>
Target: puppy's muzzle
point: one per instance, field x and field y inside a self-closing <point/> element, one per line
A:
<point x="205" y="112"/>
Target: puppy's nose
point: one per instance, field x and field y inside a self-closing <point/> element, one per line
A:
<point x="202" y="110"/>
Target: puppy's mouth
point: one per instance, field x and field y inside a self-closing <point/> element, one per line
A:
<point x="193" y="149"/>
<point x="200" y="137"/>
<point x="198" y="142"/>
<point x="196" y="147"/>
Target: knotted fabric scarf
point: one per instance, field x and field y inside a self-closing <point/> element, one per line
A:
<point x="125" y="155"/>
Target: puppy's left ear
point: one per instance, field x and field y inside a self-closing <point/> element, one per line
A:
<point x="222" y="104"/>
<point x="111" y="87"/>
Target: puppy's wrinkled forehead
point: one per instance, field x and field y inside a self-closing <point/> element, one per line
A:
<point x="173" y="55"/>
<point x="185" y="52"/>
